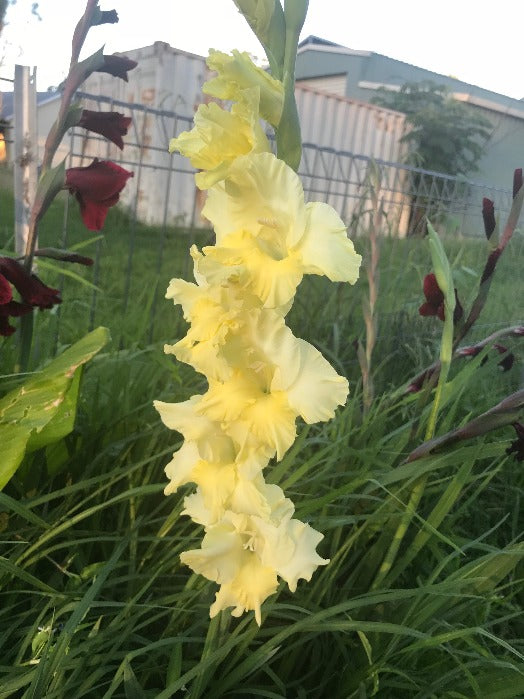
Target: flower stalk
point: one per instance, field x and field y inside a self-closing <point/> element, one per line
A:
<point x="260" y="377"/>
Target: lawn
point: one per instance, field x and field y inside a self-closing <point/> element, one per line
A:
<point x="94" y="601"/>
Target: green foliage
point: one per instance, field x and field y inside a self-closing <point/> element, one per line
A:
<point x="94" y="601"/>
<point x="447" y="135"/>
<point x="42" y="409"/>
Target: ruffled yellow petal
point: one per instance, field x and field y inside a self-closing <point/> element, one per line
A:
<point x="211" y="441"/>
<point x="220" y="136"/>
<point x="273" y="279"/>
<point x="252" y="584"/>
<point x="290" y="549"/>
<point x="262" y="196"/>
<point x="195" y="507"/>
<point x="325" y="248"/>
<point x="259" y="414"/>
<point x="179" y="470"/>
<point x="221" y="555"/>
<point x="313" y="388"/>
<point x="238" y="72"/>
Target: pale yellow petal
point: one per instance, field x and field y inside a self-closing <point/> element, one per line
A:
<point x="263" y="196"/>
<point x="220" y="556"/>
<point x="290" y="549"/>
<point x="325" y="247"/>
<point x="252" y="584"/>
<point x="238" y="72"/>
<point x="179" y="470"/>
<point x="313" y="388"/>
<point x="195" y="507"/>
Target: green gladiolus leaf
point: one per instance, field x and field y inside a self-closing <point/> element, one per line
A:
<point x="42" y="410"/>
<point x="50" y="183"/>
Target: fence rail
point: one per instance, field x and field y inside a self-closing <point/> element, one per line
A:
<point x="163" y="211"/>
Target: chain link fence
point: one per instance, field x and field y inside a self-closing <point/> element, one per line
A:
<point x="147" y="243"/>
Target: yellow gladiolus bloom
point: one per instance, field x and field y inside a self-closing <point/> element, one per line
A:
<point x="270" y="235"/>
<point x="220" y="136"/>
<point x="238" y="72"/>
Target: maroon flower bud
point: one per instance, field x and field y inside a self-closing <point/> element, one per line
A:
<point x="458" y="311"/>
<point x="490" y="264"/>
<point x="64" y="256"/>
<point x="111" y="125"/>
<point x="31" y="289"/>
<point x="434" y="305"/>
<point x="117" y="66"/>
<point x="507" y="362"/>
<point x="104" y="17"/>
<point x="517" y="181"/>
<point x="97" y="187"/>
<point x="488" y="214"/>
<point x="517" y="446"/>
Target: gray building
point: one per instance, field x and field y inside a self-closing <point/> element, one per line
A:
<point x="337" y="69"/>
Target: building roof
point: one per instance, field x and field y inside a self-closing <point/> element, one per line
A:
<point x="462" y="90"/>
<point x="7" y="101"/>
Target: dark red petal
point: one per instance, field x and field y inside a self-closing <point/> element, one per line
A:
<point x="5" y="328"/>
<point x="6" y="293"/>
<point x="427" y="309"/>
<point x="99" y="181"/>
<point x="111" y="125"/>
<point x="15" y="309"/>
<point x="93" y="214"/>
<point x="117" y="66"/>
<point x="517" y="181"/>
<point x="488" y="214"/>
<point x="432" y="290"/>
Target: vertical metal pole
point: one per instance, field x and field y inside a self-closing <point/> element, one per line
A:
<point x="25" y="152"/>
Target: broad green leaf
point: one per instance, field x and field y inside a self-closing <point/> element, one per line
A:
<point x="42" y="410"/>
<point x="63" y="420"/>
<point x="13" y="439"/>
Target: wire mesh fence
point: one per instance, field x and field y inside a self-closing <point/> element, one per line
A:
<point x="147" y="242"/>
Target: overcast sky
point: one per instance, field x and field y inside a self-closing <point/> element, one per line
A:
<point x="476" y="41"/>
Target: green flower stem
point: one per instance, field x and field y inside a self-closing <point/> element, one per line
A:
<point x="445" y="282"/>
<point x="289" y="142"/>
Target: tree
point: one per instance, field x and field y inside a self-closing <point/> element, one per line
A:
<point x="446" y="135"/>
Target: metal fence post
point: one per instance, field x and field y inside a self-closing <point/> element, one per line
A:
<point x="25" y="151"/>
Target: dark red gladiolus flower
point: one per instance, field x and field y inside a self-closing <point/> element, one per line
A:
<point x="32" y="291"/>
<point x="517" y="181"/>
<point x="488" y="214"/>
<point x="96" y="187"/>
<point x="434" y="305"/>
<point x="6" y="293"/>
<point x="111" y="125"/>
<point x="29" y="288"/>
<point x="517" y="446"/>
<point x="117" y="66"/>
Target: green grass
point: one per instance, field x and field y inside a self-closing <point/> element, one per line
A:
<point x="94" y="601"/>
